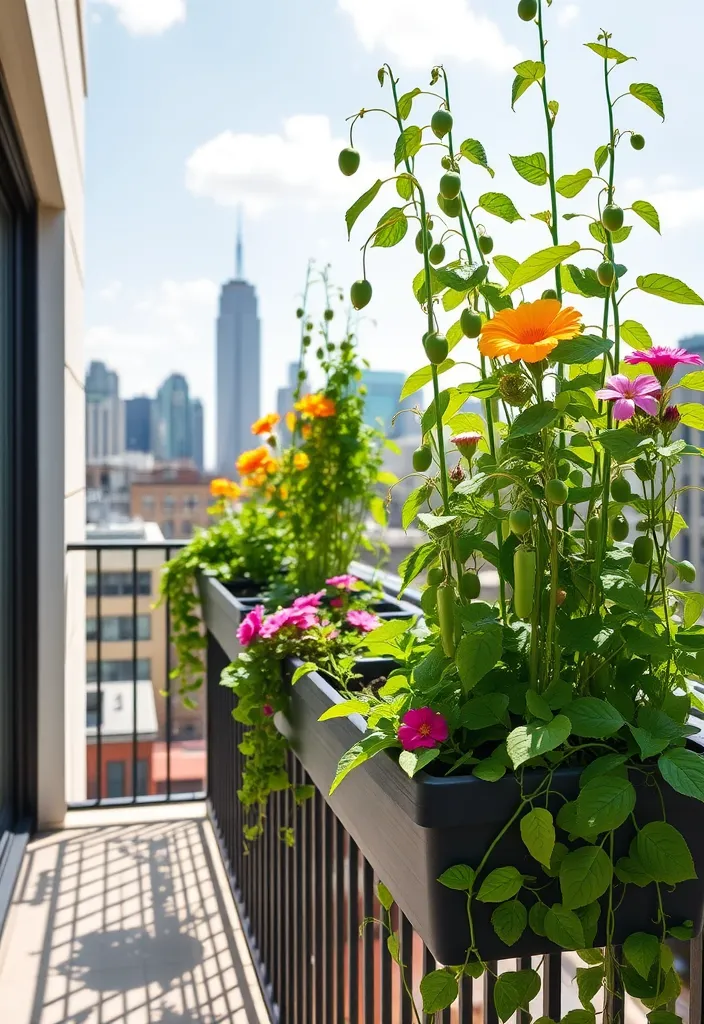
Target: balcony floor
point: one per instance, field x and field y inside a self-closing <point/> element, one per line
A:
<point x="127" y="919"/>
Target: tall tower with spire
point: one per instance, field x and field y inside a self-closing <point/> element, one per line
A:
<point x="238" y="362"/>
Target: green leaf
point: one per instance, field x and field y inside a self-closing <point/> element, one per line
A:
<point x="405" y="103"/>
<point x="509" y="921"/>
<point x="484" y="712"/>
<point x="538" y="834"/>
<point x="664" y="1017"/>
<point x="500" y="884"/>
<point x="460" y="876"/>
<point x="360" y="205"/>
<point x="500" y="205"/>
<point x="635" y="335"/>
<point x="604" y="804"/>
<point x="579" y="1017"/>
<point x="608" y="52"/>
<point x="596" y="230"/>
<point x="668" y="288"/>
<point x="404" y="186"/>
<point x="384" y="896"/>
<point x="641" y="950"/>
<point x="534" y="419"/>
<point x="414" y="503"/>
<point x="589" y="981"/>
<point x="593" y="718"/>
<point x="505" y="265"/>
<point x="684" y="770"/>
<point x="532" y="168"/>
<point x="581" y="350"/>
<point x="564" y="927"/>
<point x="585" y="875"/>
<point x="372" y="743"/>
<point x="414" y="761"/>
<point x="420" y="378"/>
<point x="478" y="651"/>
<point x="648" y="744"/>
<point x="692" y="415"/>
<point x="531" y="70"/>
<point x="491" y="769"/>
<point x="377" y="509"/>
<point x="438" y="990"/>
<point x="462" y="279"/>
<point x="539" y="264"/>
<point x="648" y="212"/>
<point x="538" y="706"/>
<point x="694" y="381"/>
<point x="343" y="709"/>
<point x="650" y="95"/>
<point x="495" y="296"/>
<point x="600" y="157"/>
<point x="514" y="991"/>
<point x="581" y="281"/>
<point x="303" y="670"/>
<point x="409" y="142"/>
<point x="620" y="588"/>
<point x="664" y="854"/>
<point x="622" y="443"/>
<point x="473" y="151"/>
<point x="394" y="947"/>
<point x="587" y="634"/>
<point x="537" y="738"/>
<point x="603" y="766"/>
<point x="414" y="564"/>
<point x="570" y="185"/>
<point x="391" y="229"/>
<point x="536" y="918"/>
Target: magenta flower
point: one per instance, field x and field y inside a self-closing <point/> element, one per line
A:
<point x="422" y="727"/>
<point x="366" y="621"/>
<point x="251" y="625"/>
<point x="301" y="618"/>
<point x="309" y="600"/>
<point x="267" y="710"/>
<point x="336" y="602"/>
<point x="626" y="395"/>
<point x="662" y="359"/>
<point x="344" y="582"/>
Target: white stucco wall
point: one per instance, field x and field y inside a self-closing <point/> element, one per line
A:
<point x="43" y="66"/>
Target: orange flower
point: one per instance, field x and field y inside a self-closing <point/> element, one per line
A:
<point x="256" y="461"/>
<point x="306" y="431"/>
<point x="317" y="406"/>
<point x="291" y="421"/>
<point x="223" y="488"/>
<point x="301" y="461"/>
<point x="266" y="424"/>
<point x="529" y="332"/>
<point x="284" y="491"/>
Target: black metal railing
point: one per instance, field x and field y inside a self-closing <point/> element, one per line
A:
<point x="142" y="745"/>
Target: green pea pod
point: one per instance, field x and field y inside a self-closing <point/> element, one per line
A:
<point x="446" y="617"/>
<point x="524" y="582"/>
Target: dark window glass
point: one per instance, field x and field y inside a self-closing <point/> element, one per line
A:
<point x="142" y="777"/>
<point x="118" y="584"/>
<point x="186" y="528"/>
<point x="118" y="671"/>
<point x="116" y="778"/>
<point x="92" y="709"/>
<point x="115" y="628"/>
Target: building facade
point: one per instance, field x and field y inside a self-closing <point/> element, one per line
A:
<point x="284" y="403"/>
<point x="175" y="497"/>
<point x="382" y="402"/>
<point x="138" y="424"/>
<point x="689" y="544"/>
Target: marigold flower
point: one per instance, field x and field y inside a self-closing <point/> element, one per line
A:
<point x="224" y="488"/>
<point x="306" y="431"/>
<point x="317" y="406"/>
<point x="301" y="461"/>
<point x="290" y="421"/>
<point x="422" y="727"/>
<point x="662" y="360"/>
<point x="529" y="332"/>
<point x="643" y="393"/>
<point x="266" y="424"/>
<point x="257" y="461"/>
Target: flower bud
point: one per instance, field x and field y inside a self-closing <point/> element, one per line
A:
<point x="670" y="419"/>
<point x="457" y="474"/>
<point x="514" y="389"/>
<point x="467" y="443"/>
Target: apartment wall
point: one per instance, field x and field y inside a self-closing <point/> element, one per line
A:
<point x="43" y="67"/>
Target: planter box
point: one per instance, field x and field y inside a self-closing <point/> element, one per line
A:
<point x="411" y="830"/>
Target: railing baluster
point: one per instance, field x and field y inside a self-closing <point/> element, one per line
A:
<point x="466" y="1003"/>
<point x="99" y="675"/>
<point x="298" y="901"/>
<point x="490" y="1014"/>
<point x="134" y="675"/>
<point x="370" y="931"/>
<point x="339" y="921"/>
<point x="407" y="961"/>
<point x="353" y="930"/>
<point x="524" y="964"/>
<point x="552" y="986"/>
<point x="428" y="966"/>
<point x="328" y="906"/>
<point x="167" y="726"/>
<point x="385" y="975"/>
<point x="696" y="981"/>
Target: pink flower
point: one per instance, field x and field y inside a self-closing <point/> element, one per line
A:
<point x="267" y="710"/>
<point x="274" y="623"/>
<point x="301" y="618"/>
<point x="422" y="727"/>
<point x="366" y="621"/>
<point x="336" y="602"/>
<point x="251" y="626"/>
<point x="467" y="443"/>
<point x="309" y="600"/>
<point x="662" y="360"/>
<point x="344" y="582"/>
<point x="626" y="394"/>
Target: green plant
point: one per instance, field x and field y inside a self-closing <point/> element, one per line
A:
<point x="588" y="664"/>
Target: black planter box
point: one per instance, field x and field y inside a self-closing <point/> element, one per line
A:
<point x="411" y="830"/>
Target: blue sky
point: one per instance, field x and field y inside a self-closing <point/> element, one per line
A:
<point x="196" y="106"/>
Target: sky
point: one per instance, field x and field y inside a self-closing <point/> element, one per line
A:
<point x="198" y="107"/>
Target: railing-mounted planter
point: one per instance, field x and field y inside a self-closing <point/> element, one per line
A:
<point x="411" y="830"/>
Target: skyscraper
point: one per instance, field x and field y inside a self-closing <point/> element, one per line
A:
<point x="238" y="367"/>
<point x="105" y="414"/>
<point x="138" y="424"/>
<point x="177" y="422"/>
<point x="197" y="432"/>
<point x="284" y="403"/>
<point x="383" y="400"/>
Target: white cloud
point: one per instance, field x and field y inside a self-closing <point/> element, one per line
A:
<point x="260" y="171"/>
<point x="567" y="14"/>
<point x="679" y="207"/>
<point x="419" y="34"/>
<point x="147" y="17"/>
<point x="111" y="291"/>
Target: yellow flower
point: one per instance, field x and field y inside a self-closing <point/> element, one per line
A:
<point x="284" y="491"/>
<point x="301" y="461"/>
<point x="530" y="332"/>
<point x="266" y="424"/>
<point x="223" y="488"/>
<point x="317" y="406"/>
<point x="306" y="431"/>
<point x="291" y="421"/>
<point x="257" y="461"/>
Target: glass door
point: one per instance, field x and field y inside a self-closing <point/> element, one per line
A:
<point x="6" y="517"/>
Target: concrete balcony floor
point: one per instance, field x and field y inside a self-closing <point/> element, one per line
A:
<point x="127" y="917"/>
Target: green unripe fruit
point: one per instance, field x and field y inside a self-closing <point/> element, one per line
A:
<point x="549" y="293"/>
<point x="422" y="459"/>
<point x="594" y="528"/>
<point x="437" y="253"/>
<point x="471" y="323"/>
<point x="446" y="162"/>
<point x="621" y="489"/>
<point x="563" y="469"/>
<point x="450" y="207"/>
<point x="441" y="123"/>
<point x="619" y="527"/>
<point x="300" y="313"/>
<point x="450" y="185"/>
<point x="644" y="470"/>
<point x="470" y="587"/>
<point x="328" y="315"/>
<point x="523" y="582"/>
<point x="485" y="243"/>
<point x="612" y="217"/>
<point x="421" y="237"/>
<point x="643" y="550"/>
<point x="686" y="572"/>
<point x="520" y="521"/>
<point x="436" y="575"/>
<point x="556" y="491"/>
<point x="606" y="273"/>
<point x="576" y="477"/>
<point x="561" y="401"/>
<point x="429" y="600"/>
<point x="306" y="340"/>
<point x="527" y="9"/>
<point x="436" y="347"/>
<point x="637" y="141"/>
<point x="348" y="161"/>
<point x="638" y="573"/>
<point x="446" y="617"/>
<point x="360" y="294"/>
